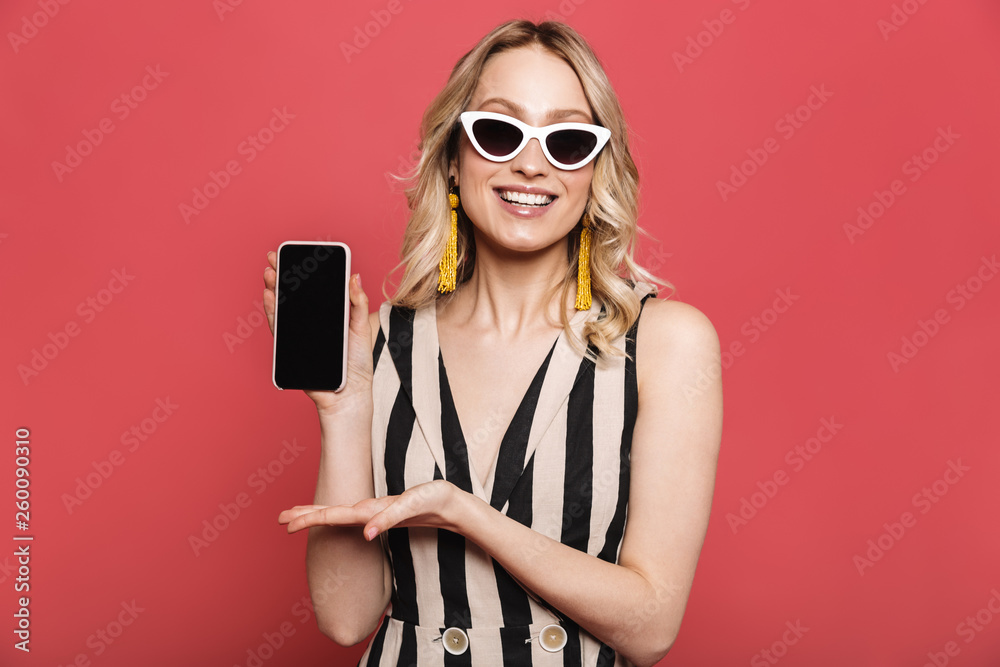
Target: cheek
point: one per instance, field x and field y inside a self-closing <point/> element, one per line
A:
<point x="580" y="181"/>
<point x="578" y="190"/>
<point x="475" y="193"/>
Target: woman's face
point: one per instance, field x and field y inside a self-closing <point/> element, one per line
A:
<point x="539" y="89"/>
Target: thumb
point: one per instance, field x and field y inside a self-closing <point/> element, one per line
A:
<point x="382" y="521"/>
<point x="359" y="308"/>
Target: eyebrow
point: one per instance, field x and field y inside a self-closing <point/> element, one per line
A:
<point x="517" y="109"/>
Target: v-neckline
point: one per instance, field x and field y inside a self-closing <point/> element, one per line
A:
<point x="486" y="486"/>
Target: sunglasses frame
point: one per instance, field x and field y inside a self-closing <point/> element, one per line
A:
<point x="529" y="132"/>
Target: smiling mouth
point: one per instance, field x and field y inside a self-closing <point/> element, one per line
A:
<point x="524" y="199"/>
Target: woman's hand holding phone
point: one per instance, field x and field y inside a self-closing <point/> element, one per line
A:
<point x="356" y="392"/>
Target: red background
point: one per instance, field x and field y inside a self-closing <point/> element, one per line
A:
<point x="165" y="334"/>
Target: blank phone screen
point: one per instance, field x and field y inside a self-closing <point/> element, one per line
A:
<point x="310" y="317"/>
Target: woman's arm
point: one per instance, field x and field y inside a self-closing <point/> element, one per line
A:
<point x="349" y="578"/>
<point x="636" y="606"/>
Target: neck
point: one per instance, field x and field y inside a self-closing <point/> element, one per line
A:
<point x="511" y="293"/>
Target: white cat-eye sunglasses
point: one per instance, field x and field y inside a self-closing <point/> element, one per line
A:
<point x="499" y="138"/>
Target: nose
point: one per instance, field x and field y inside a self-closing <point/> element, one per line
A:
<point x="531" y="161"/>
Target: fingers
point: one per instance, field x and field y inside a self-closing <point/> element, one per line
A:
<point x="297" y="511"/>
<point x="393" y="514"/>
<point x="360" y="345"/>
<point x="339" y="515"/>
<point x="383" y="521"/>
<point x="270" y="279"/>
<point x="359" y="306"/>
<point x="306" y="516"/>
<point x="371" y="531"/>
<point x="269" y="301"/>
<point x="421" y="505"/>
<point x="359" y="299"/>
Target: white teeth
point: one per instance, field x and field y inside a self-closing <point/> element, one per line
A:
<point x="525" y="198"/>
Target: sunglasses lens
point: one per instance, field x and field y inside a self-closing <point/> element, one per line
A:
<point x="497" y="137"/>
<point x="571" y="146"/>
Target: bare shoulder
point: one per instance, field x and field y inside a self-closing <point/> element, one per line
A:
<point x="674" y="327"/>
<point x="677" y="355"/>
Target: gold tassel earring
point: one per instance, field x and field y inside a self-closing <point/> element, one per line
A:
<point x="583" y="299"/>
<point x="447" y="269"/>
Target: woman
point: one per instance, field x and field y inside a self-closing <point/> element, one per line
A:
<point x="508" y="406"/>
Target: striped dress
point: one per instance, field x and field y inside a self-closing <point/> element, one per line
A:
<point x="561" y="469"/>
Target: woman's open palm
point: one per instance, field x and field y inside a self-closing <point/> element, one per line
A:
<point x="424" y="504"/>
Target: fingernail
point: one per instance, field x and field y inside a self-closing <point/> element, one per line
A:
<point x="372" y="532"/>
<point x="359" y="281"/>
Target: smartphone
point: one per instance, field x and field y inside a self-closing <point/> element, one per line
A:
<point x="311" y="315"/>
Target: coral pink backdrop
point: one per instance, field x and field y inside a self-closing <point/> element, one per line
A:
<point x="819" y="178"/>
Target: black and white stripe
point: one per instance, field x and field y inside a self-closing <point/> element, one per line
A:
<point x="562" y="469"/>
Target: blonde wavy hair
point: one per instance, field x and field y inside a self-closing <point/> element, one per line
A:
<point x="614" y="189"/>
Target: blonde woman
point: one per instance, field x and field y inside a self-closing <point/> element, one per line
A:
<point x="520" y="468"/>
